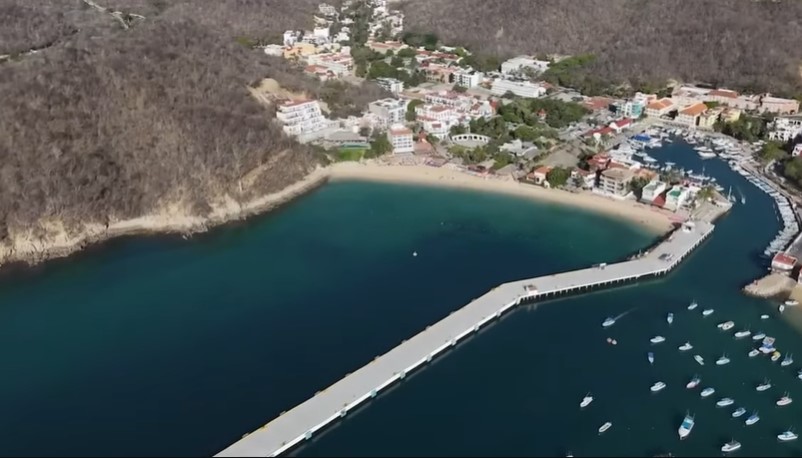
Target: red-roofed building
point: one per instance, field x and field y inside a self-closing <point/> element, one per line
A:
<point x="783" y="262"/>
<point x="598" y="103"/>
<point x="689" y="116"/>
<point x="621" y="124"/>
<point x="599" y="162"/>
<point x="539" y="174"/>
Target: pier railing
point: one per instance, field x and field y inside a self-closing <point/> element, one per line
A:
<point x="325" y="407"/>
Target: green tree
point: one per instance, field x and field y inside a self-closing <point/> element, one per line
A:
<point x="558" y="177"/>
<point x="379" y="146"/>
<point x="389" y="53"/>
<point x="381" y="69"/>
<point x="364" y="131"/>
<point x="459" y="88"/>
<point x="410" y="114"/>
<point x="406" y="53"/>
<point x="793" y="170"/>
<point x="432" y="139"/>
<point x="771" y="151"/>
<point x="637" y="184"/>
<point x="397" y="62"/>
<point x="526" y="133"/>
<point x="458" y="129"/>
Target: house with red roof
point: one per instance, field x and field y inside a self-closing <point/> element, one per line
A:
<point x="783" y="262"/>
<point x="539" y="175"/>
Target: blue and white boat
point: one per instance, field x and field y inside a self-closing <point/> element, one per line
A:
<point x="754" y="418"/>
<point x="686" y="427"/>
<point x="650" y="357"/>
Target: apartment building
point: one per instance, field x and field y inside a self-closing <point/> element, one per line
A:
<point x="391" y="85"/>
<point x="338" y="63"/>
<point x="524" y="89"/>
<point x="786" y="128"/>
<point x="400" y="138"/>
<point x="778" y="105"/>
<point x="467" y="78"/>
<point x="301" y="117"/>
<point x="615" y="181"/>
<point x="659" y="108"/>
<point x="389" y="111"/>
<point x="690" y="116"/>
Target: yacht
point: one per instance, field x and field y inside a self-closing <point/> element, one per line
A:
<point x="686" y="346"/>
<point x="759" y="336"/>
<point x="730" y="446"/>
<point x="723" y="360"/>
<point x="707" y="312"/>
<point x="686" y="426"/>
<point x="788" y="360"/>
<point x="764" y="386"/>
<point x="608" y="322"/>
<point x="743" y="333"/>
<point x="787" y="436"/>
<point x="753" y="352"/>
<point x="707" y="392"/>
<point x="738" y="412"/>
<point x="693" y="383"/>
<point x="670" y="318"/>
<point x="586" y="401"/>
<point x="657" y="339"/>
<point x="754" y="418"/>
<point x="724" y="402"/>
<point x="785" y="400"/>
<point x="659" y="386"/>
<point x="605" y="427"/>
<point x="693" y="305"/>
<point x="699" y="360"/>
<point x="726" y="326"/>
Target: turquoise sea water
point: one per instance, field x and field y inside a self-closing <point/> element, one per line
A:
<point x="159" y="346"/>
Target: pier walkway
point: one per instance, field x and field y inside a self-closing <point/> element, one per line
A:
<point x="301" y="422"/>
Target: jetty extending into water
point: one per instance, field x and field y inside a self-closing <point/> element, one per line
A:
<point x="300" y="423"/>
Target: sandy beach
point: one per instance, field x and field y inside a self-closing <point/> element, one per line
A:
<point x="26" y="248"/>
<point x="650" y="218"/>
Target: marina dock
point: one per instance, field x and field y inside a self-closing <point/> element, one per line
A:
<point x="300" y="423"/>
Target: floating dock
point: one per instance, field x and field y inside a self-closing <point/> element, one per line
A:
<point x="300" y="423"/>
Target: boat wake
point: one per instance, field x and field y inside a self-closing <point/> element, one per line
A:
<point x="624" y="314"/>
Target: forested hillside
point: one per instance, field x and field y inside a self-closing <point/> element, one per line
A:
<point x="745" y="44"/>
<point x="106" y="123"/>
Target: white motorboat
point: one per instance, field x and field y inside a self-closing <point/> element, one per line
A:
<point x="788" y="360"/>
<point x="693" y="305"/>
<point x="764" y="317"/>
<point x="753" y="352"/>
<point x="785" y="400"/>
<point x="754" y="418"/>
<point x="743" y="333"/>
<point x="657" y="339"/>
<point x="724" y="402"/>
<point x="707" y="312"/>
<point x="670" y="318"/>
<point x="707" y="392"/>
<point x="723" y="360"/>
<point x="787" y="436"/>
<point x="586" y="401"/>
<point x="686" y="346"/>
<point x="695" y="381"/>
<point x="775" y="356"/>
<point x="764" y="386"/>
<point x="791" y="303"/>
<point x="659" y="386"/>
<point x="738" y="412"/>
<point x="605" y="427"/>
<point x="726" y="325"/>
<point x="731" y="446"/>
<point x="759" y="336"/>
<point x="650" y="357"/>
<point x="686" y="427"/>
<point x="699" y="360"/>
<point x="608" y="322"/>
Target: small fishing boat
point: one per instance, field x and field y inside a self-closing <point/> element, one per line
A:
<point x="694" y="382"/>
<point x="586" y="401"/>
<point x="707" y="312"/>
<point x="707" y="392"/>
<point x="686" y="346"/>
<point x="787" y="436"/>
<point x="608" y="322"/>
<point x="785" y="400"/>
<point x="670" y="318"/>
<point x="731" y="446"/>
<point x="754" y="352"/>
<point x="754" y="418"/>
<point x="738" y="412"/>
<point x="657" y="339"/>
<point x="759" y="336"/>
<point x="605" y="427"/>
<point x="659" y="386"/>
<point x="686" y="427"/>
<point x="699" y="360"/>
<point x="723" y="360"/>
<point x="724" y="402"/>
<point x="650" y="357"/>
<point x="764" y="317"/>
<point x="788" y="360"/>
<point x="693" y="305"/>
<point x="764" y="386"/>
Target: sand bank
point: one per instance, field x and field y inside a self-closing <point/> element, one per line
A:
<point x="652" y="219"/>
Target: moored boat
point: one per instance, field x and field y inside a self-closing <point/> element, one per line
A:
<point x="608" y="322"/>
<point x="753" y="352"/>
<point x="723" y="360"/>
<point x="724" y="402"/>
<point x="726" y="325"/>
<point x="657" y="339"/>
<point x="694" y="382"/>
<point x="707" y="312"/>
<point x="738" y="412"/>
<point x="605" y="427"/>
<point x="754" y="418"/>
<point x="707" y="392"/>
<point x="775" y="356"/>
<point x="699" y="360"/>
<point x="659" y="386"/>
<point x="686" y="346"/>
<point x="586" y="401"/>
<point x="731" y="446"/>
<point x="764" y="317"/>
<point x="785" y="400"/>
<point x="670" y="318"/>
<point x="692" y="305"/>
<point x="764" y="386"/>
<point x="759" y="336"/>
<point x="743" y="333"/>
<point x="686" y="427"/>
<point x="787" y="436"/>
<point x="788" y="360"/>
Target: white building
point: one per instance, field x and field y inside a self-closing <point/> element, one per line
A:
<point x="676" y="198"/>
<point x="291" y="37"/>
<point x="467" y="78"/>
<point x="327" y="10"/>
<point x="786" y="128"/>
<point x="520" y="88"/>
<point x="338" y="63"/>
<point x="521" y="62"/>
<point x="390" y="111"/>
<point x="434" y="112"/>
<point x="274" y="50"/>
<point x="797" y="150"/>
<point x="391" y="84"/>
<point x="615" y="181"/>
<point x="400" y="138"/>
<point x="652" y="190"/>
<point x="301" y="117"/>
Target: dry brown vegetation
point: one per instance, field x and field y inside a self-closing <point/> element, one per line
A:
<point x="106" y="123"/>
<point x="746" y="44"/>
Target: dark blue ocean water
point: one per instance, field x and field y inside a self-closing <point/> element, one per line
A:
<point x="158" y="346"/>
